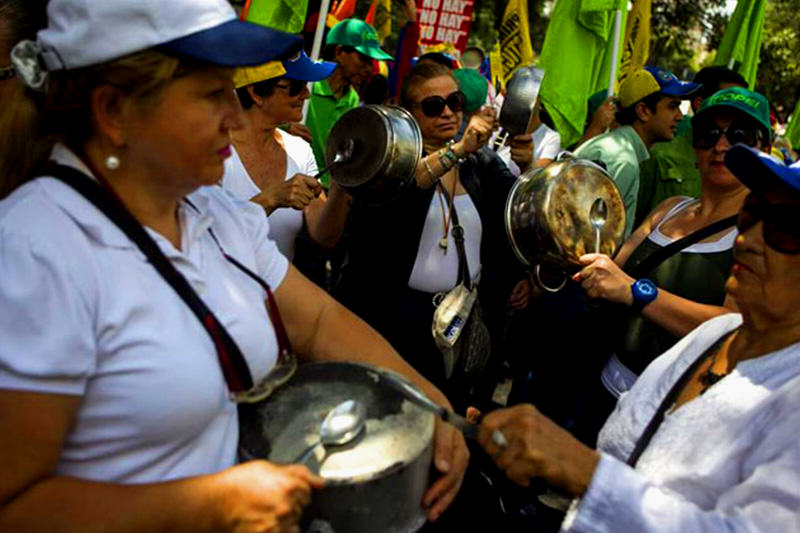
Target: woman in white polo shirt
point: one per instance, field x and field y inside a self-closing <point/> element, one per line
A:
<point x="116" y="398"/>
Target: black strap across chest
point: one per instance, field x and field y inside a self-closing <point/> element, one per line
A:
<point x="233" y="364"/>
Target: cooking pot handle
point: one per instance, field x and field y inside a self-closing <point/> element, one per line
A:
<point x="545" y="287"/>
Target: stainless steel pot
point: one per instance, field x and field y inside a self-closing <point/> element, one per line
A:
<point x="547" y="215"/>
<point x="387" y="145"/>
<point x="517" y="113"/>
<point x="374" y="483"/>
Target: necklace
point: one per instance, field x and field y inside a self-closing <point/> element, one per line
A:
<point x="709" y="377"/>
<point x="445" y="218"/>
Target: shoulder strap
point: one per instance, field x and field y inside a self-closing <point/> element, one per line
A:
<point x="458" y="236"/>
<point x="658" y="417"/>
<point x="233" y="363"/>
<point x="662" y="254"/>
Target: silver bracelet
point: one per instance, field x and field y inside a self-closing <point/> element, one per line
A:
<point x="433" y="178"/>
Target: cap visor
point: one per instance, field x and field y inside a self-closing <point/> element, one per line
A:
<point x="757" y="170"/>
<point x="236" y="44"/>
<point x="682" y="88"/>
<point x="304" y="69"/>
<point x="374" y="52"/>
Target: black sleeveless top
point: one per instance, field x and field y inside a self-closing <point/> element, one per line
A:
<point x="696" y="276"/>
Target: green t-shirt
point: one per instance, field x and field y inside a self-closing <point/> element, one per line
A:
<point x="670" y="171"/>
<point x="622" y="150"/>
<point x="324" y="109"/>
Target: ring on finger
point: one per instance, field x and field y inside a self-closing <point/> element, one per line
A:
<point x="499" y="439"/>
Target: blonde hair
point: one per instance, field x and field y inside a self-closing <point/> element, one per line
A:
<point x="64" y="111"/>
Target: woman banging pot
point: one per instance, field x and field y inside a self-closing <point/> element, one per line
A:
<point x="138" y="300"/>
<point x="400" y="255"/>
<point x="276" y="169"/>
<point x="706" y="439"/>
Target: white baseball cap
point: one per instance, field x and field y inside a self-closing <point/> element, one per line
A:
<point x="81" y="33"/>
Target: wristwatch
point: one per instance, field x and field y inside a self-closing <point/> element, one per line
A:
<point x="644" y="291"/>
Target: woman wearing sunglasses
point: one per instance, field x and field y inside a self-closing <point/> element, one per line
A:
<point x="707" y="438"/>
<point x="687" y="287"/>
<point x="276" y="169"/>
<point x="402" y="254"/>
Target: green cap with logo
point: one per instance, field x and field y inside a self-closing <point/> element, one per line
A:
<point x="359" y="35"/>
<point x="751" y="103"/>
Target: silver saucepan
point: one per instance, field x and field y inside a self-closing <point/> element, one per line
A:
<point x="373" y="483"/>
<point x="549" y="214"/>
<point x="385" y="146"/>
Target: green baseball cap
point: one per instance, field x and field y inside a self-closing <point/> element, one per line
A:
<point x="749" y="102"/>
<point x="474" y="86"/>
<point x="359" y="35"/>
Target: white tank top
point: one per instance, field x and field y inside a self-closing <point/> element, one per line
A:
<point x="723" y="243"/>
<point x="434" y="270"/>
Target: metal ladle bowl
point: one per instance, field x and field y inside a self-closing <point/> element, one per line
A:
<point x="341" y="425"/>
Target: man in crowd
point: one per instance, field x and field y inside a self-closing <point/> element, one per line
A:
<point x="672" y="167"/>
<point x="352" y="44"/>
<point x="649" y="113"/>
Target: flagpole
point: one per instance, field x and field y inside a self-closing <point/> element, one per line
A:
<point x="612" y="77"/>
<point x="323" y="17"/>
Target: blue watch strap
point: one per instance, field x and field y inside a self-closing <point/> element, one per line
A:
<point x="644" y="291"/>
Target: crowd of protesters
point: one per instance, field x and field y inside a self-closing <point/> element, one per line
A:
<point x="664" y="398"/>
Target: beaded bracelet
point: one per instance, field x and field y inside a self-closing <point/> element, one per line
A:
<point x="451" y="154"/>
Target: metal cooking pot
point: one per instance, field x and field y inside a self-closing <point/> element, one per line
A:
<point x="547" y="216"/>
<point x="517" y="113"/>
<point x="374" y="483"/>
<point x="387" y="145"/>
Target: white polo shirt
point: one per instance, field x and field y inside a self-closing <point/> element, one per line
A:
<point x="83" y="313"/>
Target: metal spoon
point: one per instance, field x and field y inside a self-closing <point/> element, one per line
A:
<point x="413" y="394"/>
<point x="341" y="425"/>
<point x="597" y="216"/>
<point x="343" y="153"/>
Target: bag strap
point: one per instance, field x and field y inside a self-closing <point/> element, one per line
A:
<point x="669" y="400"/>
<point x="233" y="364"/>
<point x="458" y="236"/>
<point x="649" y="263"/>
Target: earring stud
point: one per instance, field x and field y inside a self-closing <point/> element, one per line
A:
<point x="112" y="162"/>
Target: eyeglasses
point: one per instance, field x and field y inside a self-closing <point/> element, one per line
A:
<point x="781" y="223"/>
<point x="6" y="73"/>
<point x="706" y="136"/>
<point x="433" y="106"/>
<point x="294" y="87"/>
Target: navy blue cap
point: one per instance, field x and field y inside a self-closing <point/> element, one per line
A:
<point x="302" y="68"/>
<point x="757" y="170"/>
<point x="670" y="84"/>
<point x="236" y="43"/>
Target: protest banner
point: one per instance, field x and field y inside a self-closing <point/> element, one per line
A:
<point x="445" y="21"/>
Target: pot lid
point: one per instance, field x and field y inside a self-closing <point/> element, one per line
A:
<point x="516" y="114"/>
<point x="367" y="127"/>
<point x="284" y="425"/>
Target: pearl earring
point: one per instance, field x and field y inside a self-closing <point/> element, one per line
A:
<point x="112" y="162"/>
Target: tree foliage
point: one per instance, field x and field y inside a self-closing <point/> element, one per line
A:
<point x="779" y="69"/>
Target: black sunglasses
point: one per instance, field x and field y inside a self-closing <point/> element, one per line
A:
<point x="781" y="223"/>
<point x="433" y="106"/>
<point x="294" y="87"/>
<point x="706" y="136"/>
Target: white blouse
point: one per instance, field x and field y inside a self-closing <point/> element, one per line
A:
<point x="437" y="271"/>
<point x="284" y="222"/>
<point x="728" y="460"/>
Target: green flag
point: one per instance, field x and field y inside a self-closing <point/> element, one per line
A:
<point x="576" y="57"/>
<point x="793" y="129"/>
<point x="741" y="44"/>
<point x="286" y="15"/>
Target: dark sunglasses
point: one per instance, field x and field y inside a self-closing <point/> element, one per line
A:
<point x="294" y="87"/>
<point x="433" y="106"/>
<point x="6" y="73"/>
<point x="781" y="223"/>
<point x="706" y="136"/>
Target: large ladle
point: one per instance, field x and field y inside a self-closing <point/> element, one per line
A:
<point x="341" y="425"/>
<point x="459" y="422"/>
<point x="598" y="214"/>
<point x="343" y="154"/>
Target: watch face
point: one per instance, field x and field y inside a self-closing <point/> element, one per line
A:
<point x="646" y="287"/>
